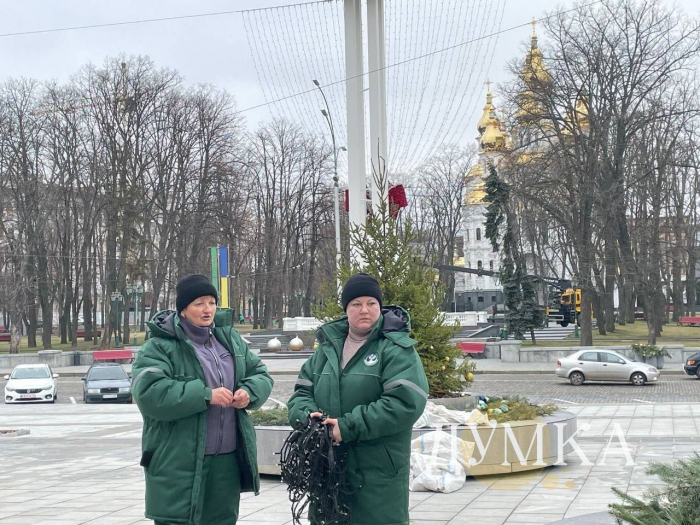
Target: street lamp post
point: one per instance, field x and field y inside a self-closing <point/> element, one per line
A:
<point x="116" y="303"/>
<point x="135" y="291"/>
<point x="336" y="191"/>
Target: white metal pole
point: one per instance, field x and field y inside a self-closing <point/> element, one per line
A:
<point x="336" y="197"/>
<point x="336" y="206"/>
<point x="376" y="57"/>
<point x="357" y="176"/>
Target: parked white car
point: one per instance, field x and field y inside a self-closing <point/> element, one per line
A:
<point x="604" y="365"/>
<point x="31" y="384"/>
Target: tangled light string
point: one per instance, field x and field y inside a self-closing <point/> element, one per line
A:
<point x="315" y="475"/>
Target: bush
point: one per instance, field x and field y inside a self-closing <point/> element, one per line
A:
<point x="676" y="504"/>
<point x="277" y="417"/>
<point x="647" y="350"/>
<point x="519" y="409"/>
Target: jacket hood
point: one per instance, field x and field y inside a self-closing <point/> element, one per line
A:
<point x="396" y="319"/>
<point x="166" y="323"/>
<point x="394" y="324"/>
<point x="162" y="324"/>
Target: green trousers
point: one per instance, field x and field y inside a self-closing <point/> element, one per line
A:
<point x="220" y="493"/>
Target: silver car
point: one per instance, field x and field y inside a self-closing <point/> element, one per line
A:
<point x="604" y="365"/>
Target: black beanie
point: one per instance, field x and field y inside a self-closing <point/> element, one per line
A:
<point x="360" y="285"/>
<point x="192" y="287"/>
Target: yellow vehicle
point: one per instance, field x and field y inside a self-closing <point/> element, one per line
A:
<point x="564" y="306"/>
<point x="563" y="301"/>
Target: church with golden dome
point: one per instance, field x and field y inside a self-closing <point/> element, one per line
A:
<point x="482" y="292"/>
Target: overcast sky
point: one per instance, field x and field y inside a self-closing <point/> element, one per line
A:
<point x="204" y="50"/>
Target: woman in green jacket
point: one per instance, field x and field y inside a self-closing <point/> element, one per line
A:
<point x="193" y="381"/>
<point x="367" y="377"/>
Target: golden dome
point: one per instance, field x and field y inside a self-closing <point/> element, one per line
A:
<point x="488" y="108"/>
<point x="476" y="171"/>
<point x="528" y="108"/>
<point x="582" y="111"/>
<point x="477" y="195"/>
<point x="535" y="70"/>
<point x="493" y="139"/>
<point x="534" y="74"/>
<point x="476" y="187"/>
<point x="578" y="119"/>
<point x="458" y="261"/>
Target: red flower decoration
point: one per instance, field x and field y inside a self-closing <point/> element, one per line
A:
<point x="397" y="200"/>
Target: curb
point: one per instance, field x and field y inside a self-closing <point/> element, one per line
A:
<point x="477" y="372"/>
<point x="482" y="372"/>
<point x="551" y="372"/>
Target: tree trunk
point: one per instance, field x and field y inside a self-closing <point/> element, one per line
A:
<point x="677" y="289"/>
<point x="598" y="306"/>
<point x="110" y="283"/>
<point x="45" y="301"/>
<point x="142" y="321"/>
<point x="32" y="321"/>
<point x="608" y="298"/>
<point x="690" y="283"/>
<point x="623" y="303"/>
<point x="87" y="310"/>
<point x="585" y="318"/>
<point x="127" y="317"/>
<point x="15" y="331"/>
<point x="598" y="313"/>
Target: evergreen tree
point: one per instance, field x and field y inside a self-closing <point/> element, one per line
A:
<point x="392" y="256"/>
<point x="523" y="313"/>
<point x="678" y="503"/>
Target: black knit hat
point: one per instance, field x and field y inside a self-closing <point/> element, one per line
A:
<point x="360" y="285"/>
<point x="192" y="287"/>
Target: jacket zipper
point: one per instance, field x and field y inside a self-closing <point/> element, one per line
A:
<point x="221" y="381"/>
<point x="193" y="509"/>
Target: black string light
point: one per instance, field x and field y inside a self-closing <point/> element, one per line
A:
<point x="314" y="472"/>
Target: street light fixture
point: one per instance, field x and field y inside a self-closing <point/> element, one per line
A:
<point x="336" y="191"/>
<point x="135" y="291"/>
<point x="116" y="303"/>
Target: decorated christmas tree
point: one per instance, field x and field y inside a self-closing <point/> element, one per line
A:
<point x="390" y="253"/>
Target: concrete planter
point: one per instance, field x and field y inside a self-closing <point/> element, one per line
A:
<point x="660" y="361"/>
<point x="549" y="433"/>
<point x="269" y="443"/>
<point x="653" y="361"/>
<point x="499" y="457"/>
<point x="534" y="354"/>
<point x="53" y="358"/>
<point x="467" y="402"/>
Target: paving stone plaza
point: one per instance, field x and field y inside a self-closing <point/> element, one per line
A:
<point x="79" y="465"/>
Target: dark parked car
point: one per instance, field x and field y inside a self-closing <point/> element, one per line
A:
<point x="692" y="365"/>
<point x="105" y="382"/>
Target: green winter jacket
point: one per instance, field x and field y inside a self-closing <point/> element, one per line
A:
<point x="168" y="387"/>
<point x="377" y="397"/>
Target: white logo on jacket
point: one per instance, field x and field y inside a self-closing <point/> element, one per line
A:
<point x="371" y="360"/>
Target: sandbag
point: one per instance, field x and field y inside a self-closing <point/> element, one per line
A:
<point x="439" y="461"/>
